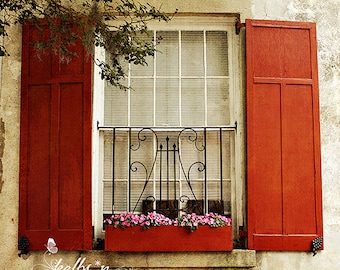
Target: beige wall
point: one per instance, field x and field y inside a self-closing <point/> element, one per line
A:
<point x="325" y="13"/>
<point x="9" y="144"/>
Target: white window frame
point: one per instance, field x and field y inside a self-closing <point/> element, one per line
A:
<point x="182" y="22"/>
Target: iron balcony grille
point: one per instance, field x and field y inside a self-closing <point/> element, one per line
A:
<point x="169" y="170"/>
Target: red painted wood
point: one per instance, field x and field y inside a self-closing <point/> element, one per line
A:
<point x="283" y="138"/>
<point x="55" y="159"/>
<point x="38" y="134"/>
<point x="168" y="239"/>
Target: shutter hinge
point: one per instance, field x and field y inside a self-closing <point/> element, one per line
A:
<point x="241" y="242"/>
<point x="23" y="244"/>
<point x="316" y="244"/>
<point x="238" y="26"/>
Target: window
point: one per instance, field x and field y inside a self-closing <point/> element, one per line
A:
<point x="185" y="97"/>
<point x="283" y="138"/>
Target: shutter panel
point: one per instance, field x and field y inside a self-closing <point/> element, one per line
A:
<point x="283" y="140"/>
<point x="55" y="158"/>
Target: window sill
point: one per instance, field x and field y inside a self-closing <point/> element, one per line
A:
<point x="237" y="258"/>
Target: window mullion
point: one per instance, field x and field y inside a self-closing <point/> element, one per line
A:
<point x="205" y="78"/>
<point x="180" y="76"/>
<point x="129" y="96"/>
<point x="154" y="112"/>
<point x="128" y="150"/>
<point x="180" y="176"/>
<point x="232" y="54"/>
<point x="154" y="78"/>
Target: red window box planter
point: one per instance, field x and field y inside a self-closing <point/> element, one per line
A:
<point x="168" y="239"/>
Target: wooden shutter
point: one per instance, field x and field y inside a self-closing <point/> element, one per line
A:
<point x="283" y="140"/>
<point x="55" y="158"/>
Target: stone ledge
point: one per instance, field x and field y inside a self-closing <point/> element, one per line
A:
<point x="236" y="259"/>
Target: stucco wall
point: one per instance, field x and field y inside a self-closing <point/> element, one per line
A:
<point x="325" y="13"/>
<point x="9" y="148"/>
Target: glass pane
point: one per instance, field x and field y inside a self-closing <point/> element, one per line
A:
<point x="217" y="53"/>
<point x="121" y="151"/>
<point x="142" y="152"/>
<point x="124" y="63"/>
<point x="192" y="102"/>
<point x="120" y="197"/>
<point x="167" y="168"/>
<point x="192" y="53"/>
<point x="115" y="106"/>
<point x="108" y="160"/>
<point x="218" y="102"/>
<point x="193" y="189"/>
<point x="167" y="102"/>
<point x="120" y="171"/>
<point x="141" y="102"/>
<point x="216" y="144"/>
<point x="192" y="154"/>
<point x="167" y="53"/>
<point x="146" y="70"/>
<point x="142" y="160"/>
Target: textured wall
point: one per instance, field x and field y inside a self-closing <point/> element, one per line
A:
<point x="9" y="148"/>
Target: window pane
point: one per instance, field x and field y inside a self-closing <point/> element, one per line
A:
<point x="121" y="153"/>
<point x="167" y="53"/>
<point x="115" y="100"/>
<point x="142" y="152"/>
<point x="142" y="166"/>
<point x="192" y="53"/>
<point x="216" y="147"/>
<point x="192" y="102"/>
<point x="120" y="198"/>
<point x="192" y="154"/>
<point x="141" y="102"/>
<point x="108" y="142"/>
<point x="146" y="70"/>
<point x="217" y="53"/>
<point x="218" y="102"/>
<point x="123" y="62"/>
<point x="120" y="171"/>
<point x="167" y="102"/>
<point x="165" y="170"/>
<point x="115" y="106"/>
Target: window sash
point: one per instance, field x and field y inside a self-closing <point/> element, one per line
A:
<point x="173" y="97"/>
<point x="219" y="22"/>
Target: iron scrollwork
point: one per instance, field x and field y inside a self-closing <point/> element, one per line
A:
<point x="168" y="158"/>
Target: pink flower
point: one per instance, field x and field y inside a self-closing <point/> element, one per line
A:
<point x="191" y="220"/>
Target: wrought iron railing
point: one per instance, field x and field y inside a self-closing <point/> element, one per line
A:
<point x="168" y="170"/>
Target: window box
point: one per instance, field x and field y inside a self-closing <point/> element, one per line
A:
<point x="168" y="238"/>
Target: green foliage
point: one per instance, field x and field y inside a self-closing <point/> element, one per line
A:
<point x="119" y="26"/>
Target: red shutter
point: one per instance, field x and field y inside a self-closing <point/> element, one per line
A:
<point x="55" y="158"/>
<point x="283" y="140"/>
